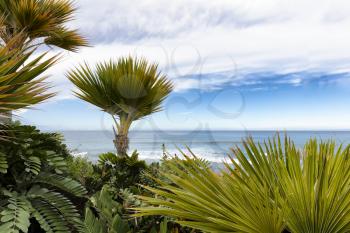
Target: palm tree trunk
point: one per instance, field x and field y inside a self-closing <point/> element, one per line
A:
<point x="121" y="143"/>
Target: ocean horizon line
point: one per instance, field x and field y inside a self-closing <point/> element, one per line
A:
<point x="203" y="130"/>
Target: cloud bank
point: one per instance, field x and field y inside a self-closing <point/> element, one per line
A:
<point x="211" y="44"/>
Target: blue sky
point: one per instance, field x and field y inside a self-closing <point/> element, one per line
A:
<point x="244" y="64"/>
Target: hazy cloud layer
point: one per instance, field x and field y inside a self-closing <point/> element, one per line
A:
<point x="211" y="44"/>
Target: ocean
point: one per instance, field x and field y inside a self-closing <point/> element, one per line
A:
<point x="211" y="145"/>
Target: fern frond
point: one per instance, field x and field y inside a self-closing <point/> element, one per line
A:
<point x="32" y="164"/>
<point x="64" y="183"/>
<point x="60" y="203"/>
<point x="48" y="218"/>
<point x="3" y="163"/>
<point x="15" y="216"/>
<point x="56" y="161"/>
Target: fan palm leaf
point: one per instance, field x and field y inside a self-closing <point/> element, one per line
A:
<point x="271" y="187"/>
<point x="201" y="199"/>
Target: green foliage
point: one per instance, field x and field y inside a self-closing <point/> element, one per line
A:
<point x="3" y="163"/>
<point x="80" y="167"/>
<point x="15" y="216"/>
<point x="101" y="216"/>
<point x="20" y="86"/>
<point x="128" y="89"/>
<point x="121" y="177"/>
<point x="32" y="186"/>
<point x="87" y="173"/>
<point x="273" y="187"/>
<point x="39" y="20"/>
<point x="105" y="215"/>
<point x="122" y="172"/>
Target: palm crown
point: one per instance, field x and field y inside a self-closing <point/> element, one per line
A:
<point x="40" y="19"/>
<point x="128" y="89"/>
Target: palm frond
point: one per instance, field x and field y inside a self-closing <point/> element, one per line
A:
<point x="66" y="39"/>
<point x="20" y="86"/>
<point x="204" y="200"/>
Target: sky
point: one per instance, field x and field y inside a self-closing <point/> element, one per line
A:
<point x="236" y="64"/>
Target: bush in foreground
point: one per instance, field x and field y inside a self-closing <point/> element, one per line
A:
<point x="34" y="187"/>
<point x="272" y="188"/>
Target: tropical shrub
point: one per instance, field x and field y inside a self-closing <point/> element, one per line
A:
<point x="122" y="172"/>
<point x="87" y="173"/>
<point x="270" y="187"/>
<point x="34" y="188"/>
<point x="121" y="178"/>
<point x="102" y="214"/>
<point x="116" y="171"/>
<point x="128" y="89"/>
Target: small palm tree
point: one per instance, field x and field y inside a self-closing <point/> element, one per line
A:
<point x="128" y="89"/>
<point x="40" y="22"/>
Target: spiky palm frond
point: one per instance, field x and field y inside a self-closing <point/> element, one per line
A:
<point x="271" y="188"/>
<point x="20" y="86"/>
<point x="202" y="199"/>
<point x="38" y="19"/>
<point x="318" y="189"/>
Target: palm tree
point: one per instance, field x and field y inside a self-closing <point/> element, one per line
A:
<point x="41" y="22"/>
<point x="272" y="188"/>
<point x="128" y="89"/>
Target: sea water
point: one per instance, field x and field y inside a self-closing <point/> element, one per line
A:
<point x="211" y="145"/>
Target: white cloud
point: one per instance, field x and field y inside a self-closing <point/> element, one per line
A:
<point x="198" y="37"/>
